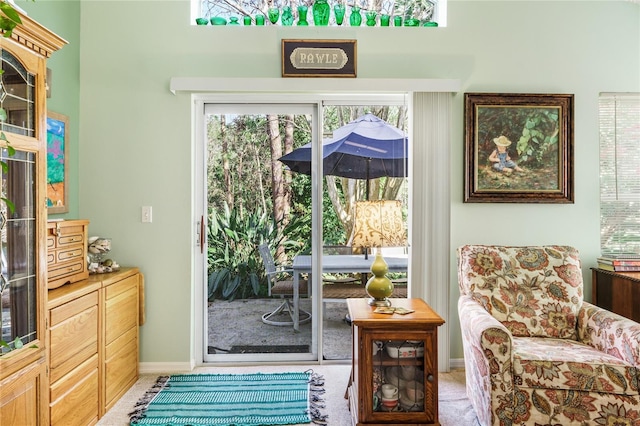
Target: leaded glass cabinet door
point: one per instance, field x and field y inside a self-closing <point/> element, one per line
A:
<point x="18" y="273"/>
<point x="23" y="381"/>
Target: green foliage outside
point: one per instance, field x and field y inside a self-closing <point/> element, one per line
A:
<point x="234" y="264"/>
<point x="241" y="169"/>
<point x="534" y="133"/>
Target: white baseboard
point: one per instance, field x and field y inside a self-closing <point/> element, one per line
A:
<point x="164" y="367"/>
<point x="456" y="363"/>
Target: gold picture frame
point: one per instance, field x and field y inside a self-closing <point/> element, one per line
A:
<point x="518" y="148"/>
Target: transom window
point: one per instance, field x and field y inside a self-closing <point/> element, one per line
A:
<point x="410" y="12"/>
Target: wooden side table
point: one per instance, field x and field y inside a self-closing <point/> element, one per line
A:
<point x="399" y="351"/>
<point x="617" y="292"/>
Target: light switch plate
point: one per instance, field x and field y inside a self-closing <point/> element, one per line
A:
<point x="147" y="214"/>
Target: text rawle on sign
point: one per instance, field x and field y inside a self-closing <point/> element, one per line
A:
<point x="318" y="58"/>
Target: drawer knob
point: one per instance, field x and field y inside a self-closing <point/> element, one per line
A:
<point x="430" y="378"/>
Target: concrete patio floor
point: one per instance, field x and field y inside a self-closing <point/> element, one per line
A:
<point x="239" y="323"/>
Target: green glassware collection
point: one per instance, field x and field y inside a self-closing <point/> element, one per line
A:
<point x="302" y="16"/>
<point x="286" y="18"/>
<point x="338" y="13"/>
<point x="321" y="14"/>
<point x="321" y="11"/>
<point x="355" y="19"/>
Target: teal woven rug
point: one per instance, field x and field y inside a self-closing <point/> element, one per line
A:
<point x="232" y="399"/>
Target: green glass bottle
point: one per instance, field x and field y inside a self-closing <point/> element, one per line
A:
<point x="302" y="15"/>
<point x="412" y="22"/>
<point x="338" y="11"/>
<point x="218" y="20"/>
<point x="273" y="14"/>
<point x="321" y="11"/>
<point x="356" y="18"/>
<point x="371" y="18"/>
<point x="286" y="18"/>
<point x="384" y="20"/>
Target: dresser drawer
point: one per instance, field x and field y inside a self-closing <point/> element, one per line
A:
<point x="65" y="233"/>
<point x="74" y="398"/>
<point x="73" y="334"/>
<point x="64" y="273"/>
<point x="71" y="253"/>
<point x="121" y="312"/>
<point x="120" y="373"/>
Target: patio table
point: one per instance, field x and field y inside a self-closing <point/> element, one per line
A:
<point x="341" y="264"/>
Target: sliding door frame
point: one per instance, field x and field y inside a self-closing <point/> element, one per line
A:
<point x="430" y="134"/>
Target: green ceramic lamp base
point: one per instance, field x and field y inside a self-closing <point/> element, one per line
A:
<point x="379" y="287"/>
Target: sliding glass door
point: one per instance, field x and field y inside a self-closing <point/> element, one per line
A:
<point x="275" y="213"/>
<point x="254" y="231"/>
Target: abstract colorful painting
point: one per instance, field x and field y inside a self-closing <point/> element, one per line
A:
<point x="57" y="144"/>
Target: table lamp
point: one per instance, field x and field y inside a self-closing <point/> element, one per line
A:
<point x="378" y="223"/>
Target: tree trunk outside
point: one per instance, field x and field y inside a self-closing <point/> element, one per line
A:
<point x="288" y="147"/>
<point x="225" y="162"/>
<point x="277" y="181"/>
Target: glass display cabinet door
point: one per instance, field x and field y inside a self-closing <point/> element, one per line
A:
<point x="401" y="383"/>
<point x="18" y="215"/>
<point x="18" y="279"/>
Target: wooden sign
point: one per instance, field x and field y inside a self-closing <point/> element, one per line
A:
<point x="318" y="58"/>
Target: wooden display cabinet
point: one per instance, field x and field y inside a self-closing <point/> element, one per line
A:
<point x="397" y="350"/>
<point x="23" y="286"/>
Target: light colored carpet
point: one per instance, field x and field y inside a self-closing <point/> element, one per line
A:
<point x="454" y="407"/>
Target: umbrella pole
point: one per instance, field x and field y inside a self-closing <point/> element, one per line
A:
<point x="366" y="195"/>
<point x="366" y="198"/>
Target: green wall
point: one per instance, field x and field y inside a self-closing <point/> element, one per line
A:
<point x="133" y="137"/>
<point x="63" y="19"/>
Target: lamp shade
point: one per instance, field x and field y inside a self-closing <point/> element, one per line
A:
<point x="378" y="223"/>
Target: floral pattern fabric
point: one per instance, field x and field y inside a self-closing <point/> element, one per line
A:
<point x="536" y="353"/>
<point x="533" y="291"/>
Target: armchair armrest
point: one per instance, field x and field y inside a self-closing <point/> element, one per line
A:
<point x="610" y="333"/>
<point x="487" y="356"/>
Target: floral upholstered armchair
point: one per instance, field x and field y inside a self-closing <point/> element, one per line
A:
<point x="535" y="353"/>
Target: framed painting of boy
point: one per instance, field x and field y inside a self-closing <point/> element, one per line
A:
<point x="518" y="148"/>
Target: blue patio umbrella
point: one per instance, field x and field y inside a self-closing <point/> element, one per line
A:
<point x="366" y="148"/>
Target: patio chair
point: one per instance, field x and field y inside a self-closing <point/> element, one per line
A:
<point x="281" y="284"/>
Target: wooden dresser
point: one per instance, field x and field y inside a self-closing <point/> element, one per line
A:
<point x="93" y="344"/>
<point x="617" y="292"/>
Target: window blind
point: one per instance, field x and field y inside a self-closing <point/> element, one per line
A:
<point x="620" y="173"/>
